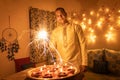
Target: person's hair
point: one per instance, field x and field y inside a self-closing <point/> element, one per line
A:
<point x="62" y="10"/>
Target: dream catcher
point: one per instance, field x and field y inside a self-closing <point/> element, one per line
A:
<point x="9" y="42"/>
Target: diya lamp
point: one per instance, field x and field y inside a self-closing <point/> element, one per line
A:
<point x="44" y="67"/>
<point x="62" y="73"/>
<point x="36" y="74"/>
<point x="47" y="75"/>
<point x="65" y="66"/>
<point x="70" y="70"/>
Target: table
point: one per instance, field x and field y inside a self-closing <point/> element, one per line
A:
<point x="17" y="76"/>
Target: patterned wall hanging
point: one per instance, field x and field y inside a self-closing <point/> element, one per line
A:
<point x="9" y="42"/>
<point x="39" y="19"/>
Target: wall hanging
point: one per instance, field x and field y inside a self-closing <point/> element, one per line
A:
<point x="9" y="42"/>
<point x="39" y="19"/>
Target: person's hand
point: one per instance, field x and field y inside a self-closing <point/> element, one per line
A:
<point x="83" y="68"/>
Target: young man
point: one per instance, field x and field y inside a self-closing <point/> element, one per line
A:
<point x="69" y="40"/>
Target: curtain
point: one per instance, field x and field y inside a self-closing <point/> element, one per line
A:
<point x="39" y="19"/>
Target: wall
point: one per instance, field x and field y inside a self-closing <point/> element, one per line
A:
<point x="19" y="19"/>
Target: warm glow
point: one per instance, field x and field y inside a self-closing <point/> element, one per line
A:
<point x="111" y="28"/>
<point x="110" y="36"/>
<point x="100" y="9"/>
<point x="107" y="10"/>
<point x="118" y="21"/>
<point x="111" y="18"/>
<point x="61" y="70"/>
<point x="119" y="11"/>
<point x="89" y="21"/>
<point x="83" y="15"/>
<point x="42" y="35"/>
<point x="102" y="19"/>
<point x="91" y="30"/>
<point x="99" y="24"/>
<point x="76" y="22"/>
<point x="84" y="19"/>
<point x="69" y="18"/>
<point x="92" y="38"/>
<point x="98" y="14"/>
<point x="91" y="12"/>
<point x="83" y="26"/>
<point x="74" y="14"/>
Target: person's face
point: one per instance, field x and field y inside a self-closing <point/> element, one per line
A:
<point x="60" y="18"/>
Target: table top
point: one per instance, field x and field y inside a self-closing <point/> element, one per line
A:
<point x="22" y="75"/>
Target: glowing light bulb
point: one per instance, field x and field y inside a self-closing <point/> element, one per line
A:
<point x="89" y="21"/>
<point x="111" y="28"/>
<point x="107" y="10"/>
<point x="83" y="15"/>
<point x="74" y="14"/>
<point x="92" y="38"/>
<point x="99" y="24"/>
<point x="91" y="12"/>
<point x="109" y="36"/>
<point x="102" y="19"/>
<point x="91" y="30"/>
<point x="84" y="19"/>
<point x="118" y="21"/>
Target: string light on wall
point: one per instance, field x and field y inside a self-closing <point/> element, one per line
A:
<point x="110" y="35"/>
<point x="91" y="37"/>
<point x="96" y="21"/>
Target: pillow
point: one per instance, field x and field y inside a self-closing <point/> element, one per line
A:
<point x="113" y="58"/>
<point x="95" y="54"/>
<point x="21" y="61"/>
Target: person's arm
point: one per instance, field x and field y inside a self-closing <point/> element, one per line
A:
<point x="53" y="45"/>
<point x="83" y="47"/>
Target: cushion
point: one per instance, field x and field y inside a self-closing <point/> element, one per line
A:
<point x="95" y="54"/>
<point x="113" y="58"/>
<point x="21" y="61"/>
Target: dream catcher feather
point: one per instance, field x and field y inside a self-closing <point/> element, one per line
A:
<point x="9" y="42"/>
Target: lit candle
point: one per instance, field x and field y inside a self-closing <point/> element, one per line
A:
<point x="47" y="75"/>
<point x="41" y="69"/>
<point x="71" y="67"/>
<point x="61" y="69"/>
<point x="62" y="73"/>
<point x="71" y="70"/>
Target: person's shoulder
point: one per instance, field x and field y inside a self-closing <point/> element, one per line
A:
<point x="73" y="24"/>
<point x="76" y="26"/>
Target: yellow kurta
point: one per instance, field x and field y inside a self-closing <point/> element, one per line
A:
<point x="69" y="40"/>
